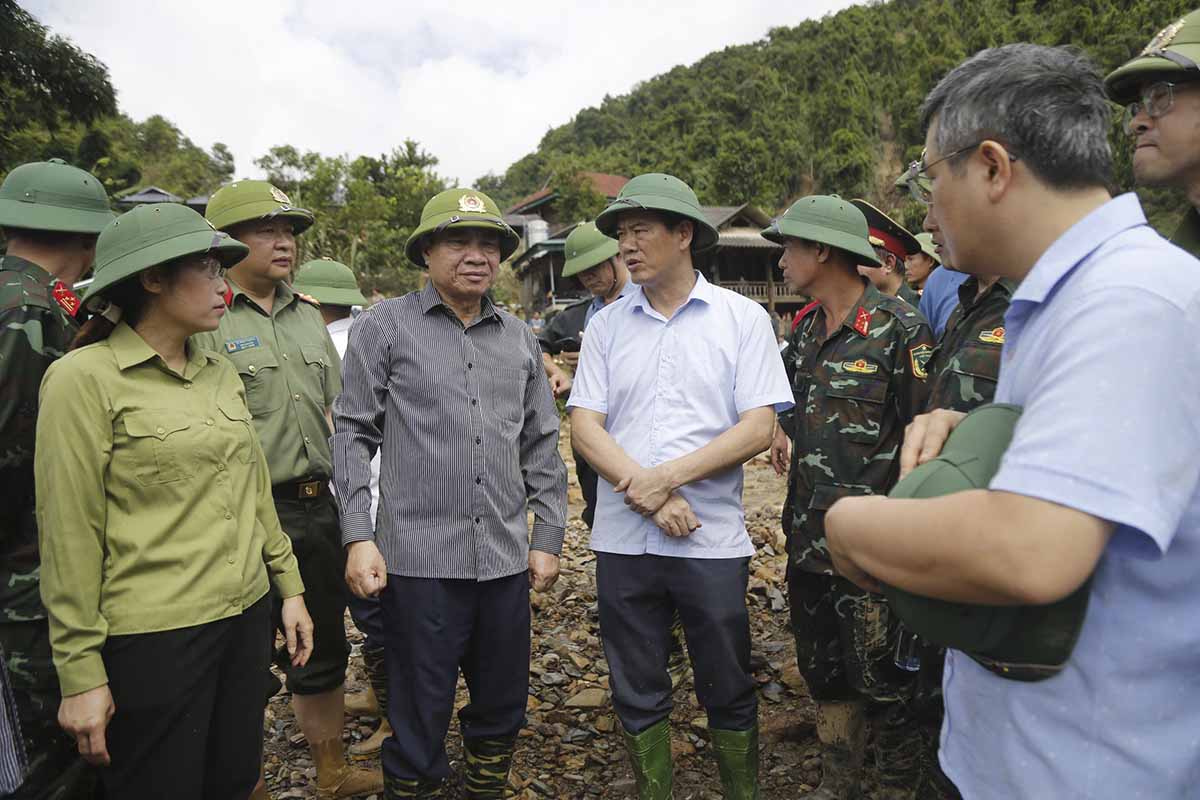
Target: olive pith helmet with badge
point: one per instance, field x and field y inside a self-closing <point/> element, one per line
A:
<point x="1172" y="55"/>
<point x="825" y="219"/>
<point x="154" y="234"/>
<point x="892" y="236"/>
<point x="329" y="282"/>
<point x="244" y="201"/>
<point x="928" y="247"/>
<point x="587" y="247"/>
<point x="460" y="208"/>
<point x="54" y="196"/>
<point x="656" y="191"/>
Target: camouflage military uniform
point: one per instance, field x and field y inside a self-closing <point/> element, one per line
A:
<point x="855" y="392"/>
<point x="908" y="295"/>
<point x="1187" y="235"/>
<point x="35" y="329"/>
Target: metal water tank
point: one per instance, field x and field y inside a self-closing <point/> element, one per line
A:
<point x="536" y="230"/>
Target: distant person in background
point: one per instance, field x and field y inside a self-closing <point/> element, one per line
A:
<point x="536" y="324"/>
<point x="919" y="266"/>
<point x="892" y="244"/>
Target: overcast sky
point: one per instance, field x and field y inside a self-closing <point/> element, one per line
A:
<point x="475" y="83"/>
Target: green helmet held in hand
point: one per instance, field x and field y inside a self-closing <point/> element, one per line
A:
<point x="154" y="234"/>
<point x="53" y="196"/>
<point x="1172" y="55"/>
<point x="329" y="282"/>
<point x="460" y="208"/>
<point x="656" y="191"/>
<point x="826" y="219"/>
<point x="587" y="247"/>
<point x="243" y="201"/>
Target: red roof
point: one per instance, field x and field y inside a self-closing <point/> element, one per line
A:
<point x="607" y="185"/>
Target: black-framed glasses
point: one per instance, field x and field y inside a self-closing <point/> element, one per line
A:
<point x="917" y="179"/>
<point x="1155" y="99"/>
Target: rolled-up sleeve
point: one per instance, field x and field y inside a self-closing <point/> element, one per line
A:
<point x="541" y="465"/>
<point x="73" y="450"/>
<point x="358" y="415"/>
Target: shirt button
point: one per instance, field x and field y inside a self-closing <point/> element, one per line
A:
<point x="187" y="386"/>
<point x="477" y="520"/>
<point x="470" y="365"/>
<point x="228" y="515"/>
<point x="285" y="356"/>
<point x="474" y="402"/>
<point x="208" y="422"/>
<point x="232" y="559"/>
<point x="161" y="429"/>
<point x="478" y="440"/>
<point x="478" y="480"/>
<point x="306" y="440"/>
<point x="295" y="397"/>
<point x="220" y="467"/>
<point x="252" y="369"/>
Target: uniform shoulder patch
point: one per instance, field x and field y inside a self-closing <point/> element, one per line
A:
<point x="66" y="299"/>
<point x="919" y="356"/>
<point x="862" y="321"/>
<point x="994" y="336"/>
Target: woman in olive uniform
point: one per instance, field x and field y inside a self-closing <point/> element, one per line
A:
<point x="157" y="526"/>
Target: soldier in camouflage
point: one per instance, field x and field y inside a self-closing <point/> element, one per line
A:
<point x="50" y="213"/>
<point x="893" y="245"/>
<point x="857" y="361"/>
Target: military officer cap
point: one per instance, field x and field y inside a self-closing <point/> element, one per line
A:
<point x="243" y="201"/>
<point x="154" y="234"/>
<point x="587" y="247"/>
<point x="928" y="247"/>
<point x="329" y="282"/>
<point x="53" y="196"/>
<point x="656" y="191"/>
<point x="827" y="219"/>
<point x="891" y="235"/>
<point x="460" y="208"/>
<point x="1018" y="642"/>
<point x="1171" y="55"/>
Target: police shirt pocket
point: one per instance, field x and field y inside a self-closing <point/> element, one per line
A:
<point x="316" y="358"/>
<point x="508" y="393"/>
<point x="155" y="442"/>
<point x="858" y="402"/>
<point x="236" y="412"/>
<point x="259" y="370"/>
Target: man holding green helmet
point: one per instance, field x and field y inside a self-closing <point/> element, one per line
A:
<point x="451" y="392"/>
<point x="50" y="213"/>
<point x="678" y="385"/>
<point x="857" y="361"/>
<point x="276" y="339"/>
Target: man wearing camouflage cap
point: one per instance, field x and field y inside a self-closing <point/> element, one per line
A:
<point x="678" y="385"/>
<point x="276" y="339"/>
<point x="51" y="214"/>
<point x="1160" y="89"/>
<point x="857" y="361"/>
<point x="450" y="390"/>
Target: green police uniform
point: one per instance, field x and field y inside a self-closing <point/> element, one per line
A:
<point x="1173" y="55"/>
<point x="37" y="324"/>
<point x="291" y="373"/>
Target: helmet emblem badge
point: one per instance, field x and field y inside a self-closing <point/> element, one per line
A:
<point x="471" y="203"/>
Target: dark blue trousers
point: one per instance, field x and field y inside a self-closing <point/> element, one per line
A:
<point x="638" y="597"/>
<point x="435" y="627"/>
<point x="367" y="614"/>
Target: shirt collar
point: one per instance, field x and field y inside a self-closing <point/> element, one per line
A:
<point x="430" y="299"/>
<point x="283" y="294"/>
<point x="130" y="349"/>
<point x="968" y="290"/>
<point x="1080" y="241"/>
<point x="18" y="264"/>
<point x="702" y="291"/>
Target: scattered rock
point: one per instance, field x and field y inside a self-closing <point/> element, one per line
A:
<point x="592" y="697"/>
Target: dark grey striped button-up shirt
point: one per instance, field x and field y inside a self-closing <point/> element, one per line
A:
<point x="469" y="435"/>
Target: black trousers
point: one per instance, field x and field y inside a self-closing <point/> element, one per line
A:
<point x="588" y="480"/>
<point x="435" y="627"/>
<point x="189" y="718"/>
<point x="638" y="597"/>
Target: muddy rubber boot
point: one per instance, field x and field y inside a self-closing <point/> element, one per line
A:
<point x="737" y="760"/>
<point x="336" y="778"/>
<point x="397" y="788"/>
<point x="842" y="729"/>
<point x="488" y="763"/>
<point x="678" y="666"/>
<point x="260" y="791"/>
<point x="650" y="752"/>
<point x="373" y="661"/>
<point x="363" y="704"/>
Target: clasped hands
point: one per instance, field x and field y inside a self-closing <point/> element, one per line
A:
<point x="650" y="491"/>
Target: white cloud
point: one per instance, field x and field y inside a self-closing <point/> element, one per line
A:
<point x="476" y="84"/>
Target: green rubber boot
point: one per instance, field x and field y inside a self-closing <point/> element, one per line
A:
<point x="397" y="788"/>
<point x="737" y="760"/>
<point x="650" y="752"/>
<point x="488" y="763"/>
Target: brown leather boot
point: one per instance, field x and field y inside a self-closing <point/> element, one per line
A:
<point x="370" y="747"/>
<point x="376" y="669"/>
<point x="260" y="791"/>
<point x="362" y="704"/>
<point x="336" y="778"/>
<point x="842" y="729"/>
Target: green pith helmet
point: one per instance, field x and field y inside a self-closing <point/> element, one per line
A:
<point x="242" y="201"/>
<point x="1172" y="54"/>
<point x="827" y="219"/>
<point x="1019" y="642"/>
<point x="460" y="208"/>
<point x="155" y="234"/>
<point x="655" y="191"/>
<point x="928" y="247"/>
<point x="329" y="282"/>
<point x="585" y="248"/>
<point x="53" y="196"/>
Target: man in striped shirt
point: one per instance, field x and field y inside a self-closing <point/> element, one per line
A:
<point x="453" y="391"/>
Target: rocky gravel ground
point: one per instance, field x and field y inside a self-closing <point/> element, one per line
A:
<point x="571" y="747"/>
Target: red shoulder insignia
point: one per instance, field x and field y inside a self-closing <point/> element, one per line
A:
<point x="68" y="300"/>
<point x="309" y="299"/>
<point x="802" y="313"/>
<point x="862" y="321"/>
<point x="228" y="296"/>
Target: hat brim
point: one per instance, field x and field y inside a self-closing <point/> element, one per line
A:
<point x="781" y="230"/>
<point x="327" y="295"/>
<point x="32" y="216"/>
<point x="301" y="218"/>
<point x="704" y="238"/>
<point x="590" y="258"/>
<point x="509" y="240"/>
<point x="1122" y="83"/>
<point x="880" y="221"/>
<point x="228" y="250"/>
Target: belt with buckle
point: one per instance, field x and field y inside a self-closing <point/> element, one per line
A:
<point x="301" y="490"/>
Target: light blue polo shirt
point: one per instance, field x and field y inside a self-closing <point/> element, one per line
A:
<point x="1103" y="352"/>
<point x="939" y="297"/>
<point x="669" y="387"/>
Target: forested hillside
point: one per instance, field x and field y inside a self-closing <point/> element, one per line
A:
<point x="825" y="106"/>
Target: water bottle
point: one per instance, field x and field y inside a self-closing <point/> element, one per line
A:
<point x="908" y="650"/>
